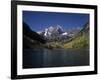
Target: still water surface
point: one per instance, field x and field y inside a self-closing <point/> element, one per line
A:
<point x="38" y="58"/>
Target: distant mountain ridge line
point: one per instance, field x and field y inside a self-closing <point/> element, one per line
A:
<point x="57" y="32"/>
<point x="55" y="37"/>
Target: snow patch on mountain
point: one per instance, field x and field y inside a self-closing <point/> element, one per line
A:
<point x="65" y="33"/>
<point x="54" y="32"/>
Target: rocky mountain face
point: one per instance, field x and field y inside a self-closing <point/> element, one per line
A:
<point x="54" y="33"/>
<point x="80" y="40"/>
<point x="73" y="32"/>
<point x="85" y="29"/>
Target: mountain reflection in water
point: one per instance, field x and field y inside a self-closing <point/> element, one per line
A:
<point x="39" y="58"/>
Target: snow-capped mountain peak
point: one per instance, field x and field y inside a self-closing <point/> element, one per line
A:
<point x="46" y="32"/>
<point x="65" y="33"/>
<point x="54" y="32"/>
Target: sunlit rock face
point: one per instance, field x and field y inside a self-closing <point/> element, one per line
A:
<point x="54" y="33"/>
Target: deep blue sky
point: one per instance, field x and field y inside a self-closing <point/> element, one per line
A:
<point x="40" y="20"/>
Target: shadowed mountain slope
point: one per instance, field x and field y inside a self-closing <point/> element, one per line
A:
<point x="31" y="38"/>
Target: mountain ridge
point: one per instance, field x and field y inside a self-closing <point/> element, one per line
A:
<point x="54" y="33"/>
<point x="79" y="40"/>
<point x="56" y="37"/>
